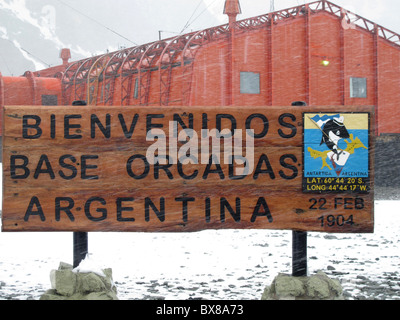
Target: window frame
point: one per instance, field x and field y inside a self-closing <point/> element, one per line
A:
<point x="250" y="82"/>
<point x="355" y="92"/>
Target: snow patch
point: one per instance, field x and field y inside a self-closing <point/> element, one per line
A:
<point x="89" y="265"/>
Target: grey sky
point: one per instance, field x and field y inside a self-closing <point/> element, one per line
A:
<point x="32" y="32"/>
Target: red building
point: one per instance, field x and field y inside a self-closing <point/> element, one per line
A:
<point x="318" y="53"/>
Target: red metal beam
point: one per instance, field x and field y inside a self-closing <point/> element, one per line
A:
<point x="270" y="63"/>
<point x="342" y="58"/>
<point x="376" y="67"/>
<point x="148" y="62"/>
<point x="94" y="76"/>
<point x="129" y="67"/>
<point x="1" y="91"/>
<point x="110" y="74"/>
<point x="307" y="53"/>
<point x="165" y="64"/>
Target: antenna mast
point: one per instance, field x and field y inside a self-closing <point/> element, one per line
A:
<point x="272" y="6"/>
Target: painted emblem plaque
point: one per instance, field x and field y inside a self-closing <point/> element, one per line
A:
<point x="336" y="153"/>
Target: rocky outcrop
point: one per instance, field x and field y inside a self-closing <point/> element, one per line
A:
<point x="69" y="284"/>
<point x="316" y="287"/>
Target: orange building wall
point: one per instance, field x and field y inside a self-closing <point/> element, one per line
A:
<point x="288" y="63"/>
<point x="389" y="88"/>
<point x="287" y="56"/>
<point x="325" y="82"/>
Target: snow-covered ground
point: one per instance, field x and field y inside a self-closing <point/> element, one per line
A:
<point x="233" y="264"/>
<point x="211" y="264"/>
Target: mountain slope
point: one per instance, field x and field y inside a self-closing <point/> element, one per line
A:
<point x="32" y="33"/>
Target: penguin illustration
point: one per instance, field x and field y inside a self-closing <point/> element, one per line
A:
<point x="333" y="131"/>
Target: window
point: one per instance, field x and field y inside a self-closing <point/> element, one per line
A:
<point x="249" y="83"/>
<point x="49" y="100"/>
<point x="358" y="87"/>
<point x="136" y="91"/>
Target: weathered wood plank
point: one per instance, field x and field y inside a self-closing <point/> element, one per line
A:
<point x="87" y="169"/>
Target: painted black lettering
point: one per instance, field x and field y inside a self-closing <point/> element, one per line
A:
<point x="150" y="125"/>
<point x="232" y="162"/>
<point x="219" y="125"/>
<point x="86" y="166"/>
<point x="66" y="209"/>
<point x="103" y="211"/>
<point x="24" y="167"/>
<point x="165" y="168"/>
<point x="44" y="160"/>
<point x="204" y="121"/>
<point x="338" y="202"/>
<point x="224" y="204"/>
<point x="178" y="119"/>
<point x="287" y="125"/>
<point x="128" y="133"/>
<point x="31" y="212"/>
<point x="68" y="126"/>
<point x="53" y="126"/>
<point x="74" y="171"/>
<point x="286" y="165"/>
<point x="348" y="203"/>
<point x="121" y="209"/>
<point x="185" y="201"/>
<point x="105" y="130"/>
<point x="218" y="169"/>
<point x="159" y="213"/>
<point x="129" y="168"/>
<point x="265" y="122"/>
<point x="359" y="204"/>
<point x="26" y="126"/>
<point x="264" y="213"/>
<point x="268" y="168"/>
<point x="208" y="210"/>
<point x="183" y="175"/>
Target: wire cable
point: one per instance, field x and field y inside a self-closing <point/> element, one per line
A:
<point x="187" y="22"/>
<point x="201" y="13"/>
<point x="31" y="54"/>
<point x="99" y="23"/>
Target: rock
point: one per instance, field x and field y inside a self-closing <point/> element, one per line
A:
<point x="100" y="296"/>
<point x="288" y="287"/>
<point x="65" y="266"/>
<point x="63" y="281"/>
<point x="68" y="284"/>
<point x="316" y="287"/>
<point x="89" y="282"/>
<point x="52" y="295"/>
<point x="284" y="287"/>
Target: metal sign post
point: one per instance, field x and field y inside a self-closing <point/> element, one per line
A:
<point x="299" y="254"/>
<point x="80" y="239"/>
<point x="299" y="239"/>
<point x="80" y="247"/>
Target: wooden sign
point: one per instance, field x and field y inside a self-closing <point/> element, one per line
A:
<point x="180" y="169"/>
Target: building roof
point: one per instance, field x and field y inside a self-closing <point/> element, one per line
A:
<point x="182" y="47"/>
